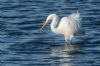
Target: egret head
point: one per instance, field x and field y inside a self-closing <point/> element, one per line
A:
<point x="50" y="17"/>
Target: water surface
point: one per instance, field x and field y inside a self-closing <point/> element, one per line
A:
<point x="21" y="43"/>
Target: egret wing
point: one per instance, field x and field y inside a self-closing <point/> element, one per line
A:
<point x="75" y="22"/>
<point x="71" y="24"/>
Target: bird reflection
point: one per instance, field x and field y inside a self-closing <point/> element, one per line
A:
<point x="64" y="54"/>
<point x="72" y="48"/>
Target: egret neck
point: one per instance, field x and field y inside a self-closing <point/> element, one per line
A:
<point x="55" y="24"/>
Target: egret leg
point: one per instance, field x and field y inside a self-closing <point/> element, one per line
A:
<point x="71" y="36"/>
<point x="68" y="42"/>
<point x="66" y="39"/>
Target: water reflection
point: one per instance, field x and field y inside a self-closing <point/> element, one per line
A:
<point x="71" y="47"/>
<point x="66" y="54"/>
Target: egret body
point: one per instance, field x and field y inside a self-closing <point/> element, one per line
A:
<point x="68" y="26"/>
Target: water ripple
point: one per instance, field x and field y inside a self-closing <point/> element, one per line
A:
<point x="21" y="43"/>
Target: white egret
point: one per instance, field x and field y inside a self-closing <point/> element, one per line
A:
<point x="68" y="26"/>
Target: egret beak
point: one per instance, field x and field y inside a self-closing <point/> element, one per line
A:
<point x="45" y="23"/>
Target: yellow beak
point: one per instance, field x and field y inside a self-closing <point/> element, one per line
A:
<point x="45" y="23"/>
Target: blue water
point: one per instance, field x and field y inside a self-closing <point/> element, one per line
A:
<point x="21" y="43"/>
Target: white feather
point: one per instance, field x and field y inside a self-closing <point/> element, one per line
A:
<point x="68" y="26"/>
